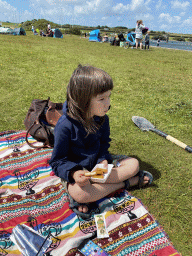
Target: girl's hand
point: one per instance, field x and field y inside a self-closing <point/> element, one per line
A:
<point x="80" y="178"/>
<point x="105" y="164"/>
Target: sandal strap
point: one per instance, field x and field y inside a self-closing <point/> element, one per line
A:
<point x="92" y="207"/>
<point x="142" y="174"/>
<point x="127" y="184"/>
<point x="141" y="178"/>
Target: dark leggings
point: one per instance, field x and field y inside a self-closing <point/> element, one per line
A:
<point x="146" y="44"/>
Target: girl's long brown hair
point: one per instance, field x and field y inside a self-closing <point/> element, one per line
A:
<point x="85" y="83"/>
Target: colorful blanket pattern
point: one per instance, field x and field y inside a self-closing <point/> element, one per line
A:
<point x="30" y="194"/>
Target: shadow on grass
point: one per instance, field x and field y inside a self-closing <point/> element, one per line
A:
<point x="148" y="167"/>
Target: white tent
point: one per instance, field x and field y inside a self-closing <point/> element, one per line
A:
<point x="6" y="30"/>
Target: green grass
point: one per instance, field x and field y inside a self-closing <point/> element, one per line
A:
<point x="154" y="84"/>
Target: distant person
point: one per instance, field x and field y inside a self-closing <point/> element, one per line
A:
<point x="112" y="40"/>
<point x="158" y="41"/>
<point x="42" y="33"/>
<point x="116" y="40"/>
<point x="121" y="37"/>
<point x="139" y="36"/>
<point x="147" y="40"/>
<point x="49" y="33"/>
<point x="49" y="26"/>
<point x="105" y="38"/>
<point x="32" y="28"/>
<point x="35" y="32"/>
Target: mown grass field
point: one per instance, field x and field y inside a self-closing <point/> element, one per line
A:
<point x="155" y="84"/>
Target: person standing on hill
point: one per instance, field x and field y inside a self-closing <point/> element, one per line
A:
<point x="139" y="36"/>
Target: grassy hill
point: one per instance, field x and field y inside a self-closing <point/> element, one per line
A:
<point x="154" y="84"/>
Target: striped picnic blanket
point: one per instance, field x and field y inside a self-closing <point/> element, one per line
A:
<point x="30" y="194"/>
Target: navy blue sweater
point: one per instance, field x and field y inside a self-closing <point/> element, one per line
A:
<point x="73" y="150"/>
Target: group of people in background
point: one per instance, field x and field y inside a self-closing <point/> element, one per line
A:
<point x="48" y="33"/>
<point x="138" y="35"/>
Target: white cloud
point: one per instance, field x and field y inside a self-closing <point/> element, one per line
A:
<point x="8" y="12"/>
<point x="54" y="10"/>
<point x="176" y="19"/>
<point x="56" y="2"/>
<point x="120" y="8"/>
<point x="49" y="1"/>
<point x="187" y="22"/>
<point x="180" y="5"/>
<point x="136" y="6"/>
<point x="148" y="17"/>
<point x="4" y="6"/>
<point x="164" y="27"/>
<point x="166" y="17"/>
<point x="26" y="15"/>
<point x="182" y="14"/>
<point x="140" y="5"/>
<point x="80" y="10"/>
<point x="148" y="2"/>
<point x="159" y="3"/>
<point x="92" y="7"/>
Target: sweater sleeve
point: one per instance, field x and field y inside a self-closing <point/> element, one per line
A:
<point x="59" y="160"/>
<point x="104" y="142"/>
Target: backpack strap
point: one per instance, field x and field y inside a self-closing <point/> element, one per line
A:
<point x="38" y="125"/>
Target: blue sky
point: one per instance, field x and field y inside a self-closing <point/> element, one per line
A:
<point x="168" y="15"/>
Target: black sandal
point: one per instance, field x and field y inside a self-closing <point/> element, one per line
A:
<point x="92" y="208"/>
<point x="141" y="175"/>
<point x="127" y="184"/>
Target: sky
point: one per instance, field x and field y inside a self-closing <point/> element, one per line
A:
<point x="174" y="16"/>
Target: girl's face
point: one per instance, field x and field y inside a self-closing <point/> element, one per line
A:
<point x="100" y="104"/>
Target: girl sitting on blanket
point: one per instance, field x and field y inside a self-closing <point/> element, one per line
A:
<point x="82" y="141"/>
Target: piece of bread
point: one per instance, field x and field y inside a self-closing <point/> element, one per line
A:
<point x="98" y="176"/>
<point x="100" y="170"/>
